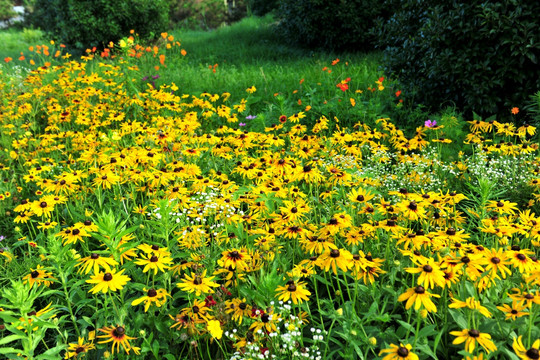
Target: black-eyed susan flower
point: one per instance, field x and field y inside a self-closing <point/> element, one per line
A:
<point x="418" y="296"/>
<point x="265" y="321"/>
<point x="117" y="335"/>
<point x="471" y="337"/>
<point x="502" y="206"/>
<point x="533" y="353"/>
<point x="197" y="283"/>
<point x="334" y="259"/>
<point x="94" y="262"/>
<point x="157" y="297"/>
<point x="295" y="291"/>
<point x="108" y="281"/>
<point x="238" y="308"/>
<point x="154" y="262"/>
<point x="514" y="311"/>
<point x="39" y="276"/>
<point x="430" y="273"/>
<point x="234" y="258"/>
<point x="76" y="349"/>
<point x="401" y="352"/>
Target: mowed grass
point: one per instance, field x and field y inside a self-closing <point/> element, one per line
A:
<point x="16" y="41"/>
<point x="252" y="52"/>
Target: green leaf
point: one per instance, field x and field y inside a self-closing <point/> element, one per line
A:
<point x="407" y="326"/>
<point x="10" y="338"/>
<point x="11" y="351"/>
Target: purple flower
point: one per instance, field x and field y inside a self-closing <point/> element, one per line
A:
<point x="430" y="123"/>
<point x="251" y="117"/>
<point x="242" y="124"/>
<point x="155" y="77"/>
<point x="144" y="78"/>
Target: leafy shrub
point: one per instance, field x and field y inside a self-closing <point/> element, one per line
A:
<point x="331" y="24"/>
<point x="263" y="7"/>
<point x="480" y="56"/>
<point x="208" y="14"/>
<point x="6" y="10"/>
<point x="81" y="24"/>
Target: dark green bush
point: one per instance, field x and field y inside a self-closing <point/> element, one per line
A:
<point x="81" y="24"/>
<point x="480" y="56"/>
<point x="263" y="7"/>
<point x="330" y="24"/>
<point x="207" y="14"/>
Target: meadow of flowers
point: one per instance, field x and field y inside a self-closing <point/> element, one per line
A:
<point x="139" y="221"/>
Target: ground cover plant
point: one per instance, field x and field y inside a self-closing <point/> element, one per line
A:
<point x="141" y="220"/>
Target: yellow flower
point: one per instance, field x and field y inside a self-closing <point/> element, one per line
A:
<point x="294" y="291"/>
<point x="471" y="337"/>
<point x="198" y="284"/>
<point x="158" y="297"/>
<point x="401" y="352"/>
<point x="118" y="337"/>
<point x="215" y="329"/>
<point x="108" y="281"/>
<point x="418" y="296"/>
<point x="526" y="354"/>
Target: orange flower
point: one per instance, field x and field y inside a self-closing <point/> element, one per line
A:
<point x="8" y="59"/>
<point x="162" y="59"/>
<point x="515" y="110"/>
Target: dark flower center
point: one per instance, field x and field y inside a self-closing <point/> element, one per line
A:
<point x="94" y="256"/>
<point x="151" y="293"/>
<point x="360" y="198"/>
<point x="529" y="296"/>
<point x="154" y="258"/>
<point x="155" y="247"/>
<point x="291" y="288"/>
<point x="76" y="232"/>
<point x="294" y="210"/>
<point x="521" y="257"/>
<point x="265" y="318"/>
<point x="402" y="352"/>
<point x="195" y="309"/>
<point x="333" y="221"/>
<point x="413" y="206"/>
<point x="533" y="353"/>
<point x="242" y="306"/>
<point x="197" y="280"/>
<point x="474" y="333"/>
<point x="235" y="255"/>
<point x="107" y="277"/>
<point x="500" y="204"/>
<point x="451" y="231"/>
<point x="87" y="222"/>
<point x="43" y="204"/>
<point x="79" y="350"/>
<point x="119" y="331"/>
<point x="465" y="260"/>
<point x="495" y="260"/>
<point x="334" y="253"/>
<point x="419" y="289"/>
<point x="428" y="268"/>
<point x="34" y="274"/>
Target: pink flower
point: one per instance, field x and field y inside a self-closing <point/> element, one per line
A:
<point x="430" y="123"/>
